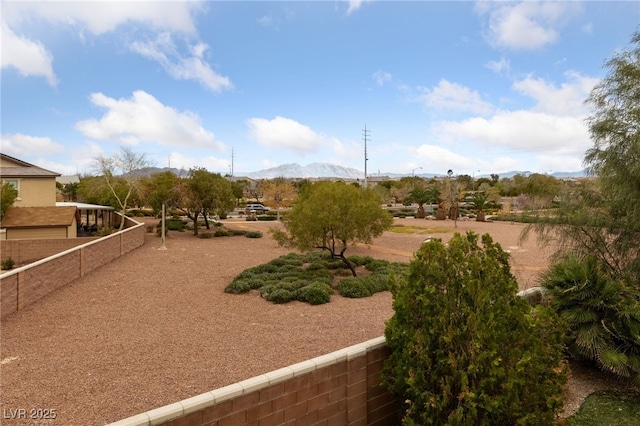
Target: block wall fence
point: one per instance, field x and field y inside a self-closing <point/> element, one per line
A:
<point x="340" y="388"/>
<point x="23" y="286"/>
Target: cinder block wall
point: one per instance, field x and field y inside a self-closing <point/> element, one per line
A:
<point x="341" y="388"/>
<point x="23" y="286"/>
<point x="27" y="251"/>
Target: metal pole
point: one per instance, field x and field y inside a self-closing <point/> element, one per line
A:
<point x="163" y="247"/>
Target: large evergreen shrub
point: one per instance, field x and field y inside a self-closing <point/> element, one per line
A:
<point x="465" y="349"/>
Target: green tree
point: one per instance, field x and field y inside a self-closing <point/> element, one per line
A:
<point x="330" y="216"/>
<point x="423" y="195"/>
<point x="122" y="173"/>
<point x="465" y="349"/>
<point x="203" y="193"/>
<point x="8" y="195"/>
<point x="160" y="189"/>
<point x="599" y="228"/>
<point x="71" y="190"/>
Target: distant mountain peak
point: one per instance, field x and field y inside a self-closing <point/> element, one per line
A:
<point x="313" y="170"/>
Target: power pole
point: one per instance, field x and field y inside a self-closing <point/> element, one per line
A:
<point x="366" y="134"/>
<point x="232" y="157"/>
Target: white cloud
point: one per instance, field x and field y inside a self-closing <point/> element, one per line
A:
<point x="436" y="156"/>
<point x="28" y="57"/>
<point x="563" y="163"/>
<point x="527" y="25"/>
<point x="211" y="163"/>
<point x="20" y="145"/>
<point x="143" y="118"/>
<point x="523" y="131"/>
<point x="453" y="96"/>
<point x="99" y="17"/>
<point x="354" y="5"/>
<point x="286" y="133"/>
<point x="568" y="99"/>
<point x="164" y="51"/>
<point x="381" y="77"/>
<point x="500" y="67"/>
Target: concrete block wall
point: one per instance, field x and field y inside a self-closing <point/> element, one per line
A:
<point x="23" y="286"/>
<point x="340" y="388"/>
<point x="28" y="251"/>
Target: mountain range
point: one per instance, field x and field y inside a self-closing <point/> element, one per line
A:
<point x="328" y="170"/>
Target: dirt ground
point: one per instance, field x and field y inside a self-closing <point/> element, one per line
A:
<point x="156" y="327"/>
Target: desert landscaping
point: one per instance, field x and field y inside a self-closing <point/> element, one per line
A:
<point x="156" y="327"/>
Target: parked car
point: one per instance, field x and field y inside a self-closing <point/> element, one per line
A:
<point x="257" y="207"/>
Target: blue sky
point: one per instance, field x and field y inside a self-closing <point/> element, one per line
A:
<point x="475" y="87"/>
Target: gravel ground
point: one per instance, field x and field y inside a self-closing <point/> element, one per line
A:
<point x="156" y="327"/>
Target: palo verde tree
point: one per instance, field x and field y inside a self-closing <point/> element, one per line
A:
<point x="122" y="173"/>
<point x="465" y="349"/>
<point x="160" y="189"/>
<point x="332" y="215"/>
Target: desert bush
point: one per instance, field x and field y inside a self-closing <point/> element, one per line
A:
<point x="221" y="233"/>
<point x="7" y="264"/>
<point x="279" y="295"/>
<point x="205" y="235"/>
<point x="253" y="234"/>
<point x="172" y="225"/>
<point x="266" y="217"/>
<point x="238" y="286"/>
<point x="315" y="293"/>
<point x="602" y="313"/>
<point x="465" y="350"/>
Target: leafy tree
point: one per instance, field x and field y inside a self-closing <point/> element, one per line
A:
<point x="201" y="193"/>
<point x="237" y="188"/>
<point x="160" y="189"/>
<point x="122" y="173"/>
<point x="330" y="216"/>
<point x="280" y="190"/>
<point x="465" y="349"/>
<point x="8" y="195"/>
<point x="71" y="190"/>
<point x="599" y="228"/>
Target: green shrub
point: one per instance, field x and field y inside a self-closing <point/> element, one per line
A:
<point x="172" y="225"/>
<point x="603" y="314"/>
<point x="355" y="287"/>
<point x="221" y="233"/>
<point x="7" y="264"/>
<point x="238" y="286"/>
<point x="280" y="295"/>
<point x="315" y="293"/>
<point x="465" y="350"/>
<point x="267" y="218"/>
<point x="205" y="235"/>
<point x="254" y="234"/>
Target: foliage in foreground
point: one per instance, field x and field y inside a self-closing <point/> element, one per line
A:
<point x="603" y="314"/>
<point x="465" y="349"/>
<point x="608" y="408"/>
<point x="309" y="278"/>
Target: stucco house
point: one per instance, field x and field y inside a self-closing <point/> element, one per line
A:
<point x="34" y="213"/>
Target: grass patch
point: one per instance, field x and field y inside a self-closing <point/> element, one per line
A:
<point x="310" y="278"/>
<point x="608" y="408"/>
<point x="404" y="229"/>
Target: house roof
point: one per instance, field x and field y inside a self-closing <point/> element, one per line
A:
<point x="23" y="169"/>
<point x="30" y="217"/>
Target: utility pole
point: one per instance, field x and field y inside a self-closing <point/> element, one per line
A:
<point x="232" y="157"/>
<point x="366" y="134"/>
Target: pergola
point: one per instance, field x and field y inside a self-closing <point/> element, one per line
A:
<point x="88" y="213"/>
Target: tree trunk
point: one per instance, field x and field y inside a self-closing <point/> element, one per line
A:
<point x="480" y="217"/>
<point x="420" y="214"/>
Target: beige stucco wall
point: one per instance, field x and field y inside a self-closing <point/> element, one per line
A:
<point x="36" y="192"/>
<point x="36" y="233"/>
